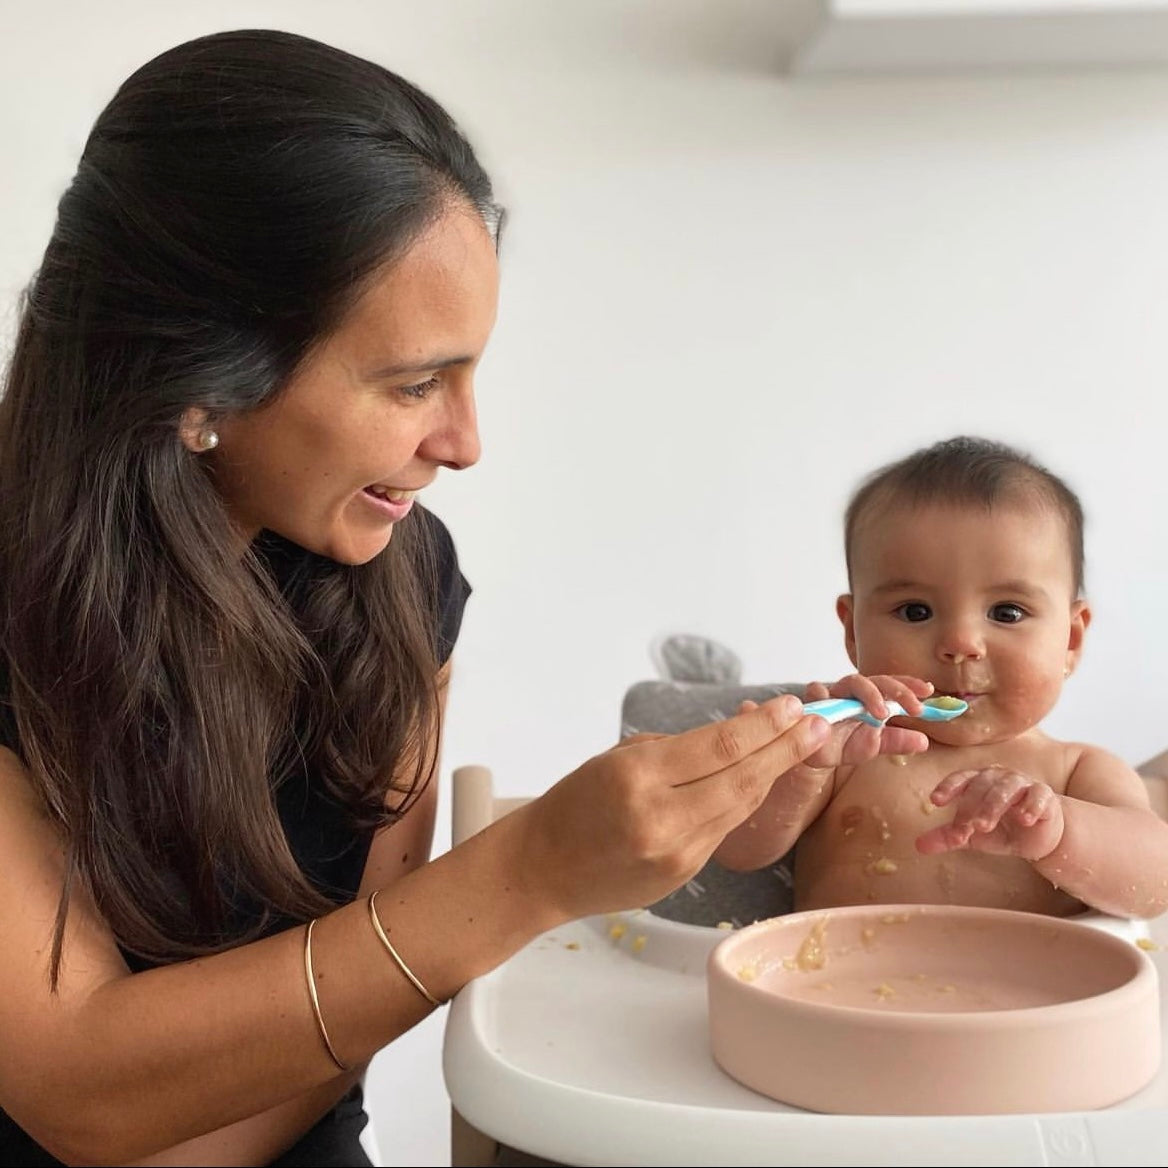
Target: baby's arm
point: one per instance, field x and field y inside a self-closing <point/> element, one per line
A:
<point x="799" y="795"/>
<point x="791" y="805"/>
<point x="1099" y="842"/>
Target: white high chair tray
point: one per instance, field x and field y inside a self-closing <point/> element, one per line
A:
<point x="593" y="1050"/>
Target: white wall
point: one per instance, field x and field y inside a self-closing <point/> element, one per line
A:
<point x="727" y="295"/>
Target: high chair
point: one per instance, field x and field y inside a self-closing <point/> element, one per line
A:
<point x="697" y="1108"/>
<point x="474" y="806"/>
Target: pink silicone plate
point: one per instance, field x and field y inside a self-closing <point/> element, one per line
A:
<point x="933" y="1010"/>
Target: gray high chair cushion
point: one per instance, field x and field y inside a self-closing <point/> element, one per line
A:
<point x="701" y="683"/>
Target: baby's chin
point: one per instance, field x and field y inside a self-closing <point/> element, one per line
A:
<point x="974" y="732"/>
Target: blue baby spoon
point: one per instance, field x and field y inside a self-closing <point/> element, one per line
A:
<point x="938" y="709"/>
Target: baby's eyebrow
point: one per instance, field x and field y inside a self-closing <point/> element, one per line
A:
<point x="898" y="586"/>
<point x="1007" y="587"/>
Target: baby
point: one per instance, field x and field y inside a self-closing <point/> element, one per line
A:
<point x="965" y="563"/>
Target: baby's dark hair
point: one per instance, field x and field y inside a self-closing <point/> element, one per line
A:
<point x="973" y="472"/>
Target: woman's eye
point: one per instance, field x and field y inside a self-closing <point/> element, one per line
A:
<point x="914" y="612"/>
<point x="421" y="390"/>
<point x="1007" y="614"/>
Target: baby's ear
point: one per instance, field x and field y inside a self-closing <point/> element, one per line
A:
<point x="845" y="610"/>
<point x="1080" y="619"/>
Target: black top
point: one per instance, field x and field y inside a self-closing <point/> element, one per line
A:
<point x="331" y="851"/>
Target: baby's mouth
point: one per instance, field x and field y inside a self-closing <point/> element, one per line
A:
<point x="966" y="695"/>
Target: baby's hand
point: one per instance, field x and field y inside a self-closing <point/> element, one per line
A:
<point x="854" y="742"/>
<point x="997" y="811"/>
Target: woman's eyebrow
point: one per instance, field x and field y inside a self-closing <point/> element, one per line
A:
<point x="421" y="366"/>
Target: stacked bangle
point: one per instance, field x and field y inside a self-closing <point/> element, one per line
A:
<point x="414" y="981"/>
<point x="310" y="977"/>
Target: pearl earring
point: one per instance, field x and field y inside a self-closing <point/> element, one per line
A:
<point x="208" y="440"/>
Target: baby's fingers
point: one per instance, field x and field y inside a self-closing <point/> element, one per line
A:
<point x="908" y="691"/>
<point x="948" y="837"/>
<point x="1033" y="805"/>
<point x="951" y="786"/>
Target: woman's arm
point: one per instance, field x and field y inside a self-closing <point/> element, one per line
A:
<point x="115" y="1067"/>
<point x="396" y="849"/>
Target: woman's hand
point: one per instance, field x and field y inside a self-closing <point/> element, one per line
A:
<point x="637" y="821"/>
<point x="854" y="742"/>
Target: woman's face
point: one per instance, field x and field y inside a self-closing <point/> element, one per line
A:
<point x="376" y="409"/>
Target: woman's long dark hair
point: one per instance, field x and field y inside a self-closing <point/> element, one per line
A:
<point x="231" y="202"/>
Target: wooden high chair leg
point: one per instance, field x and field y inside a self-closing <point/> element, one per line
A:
<point x="469" y="1147"/>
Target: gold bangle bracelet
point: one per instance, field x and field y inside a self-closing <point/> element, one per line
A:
<point x="395" y="954"/>
<point x="310" y="977"/>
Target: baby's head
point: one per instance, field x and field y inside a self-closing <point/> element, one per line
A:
<point x="965" y="567"/>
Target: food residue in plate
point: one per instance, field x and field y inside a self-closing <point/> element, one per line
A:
<point x="812" y="954"/>
<point x="883" y="866"/>
<point x="639" y="942"/>
<point x="618" y="930"/>
<point x="1147" y="944"/>
<point x="884" y="991"/>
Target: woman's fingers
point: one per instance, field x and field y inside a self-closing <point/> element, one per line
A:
<point x="716" y="747"/>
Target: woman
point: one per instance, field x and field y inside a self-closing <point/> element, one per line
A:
<point x="226" y="627"/>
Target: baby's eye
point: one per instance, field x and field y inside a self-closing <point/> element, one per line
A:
<point x="1007" y="614"/>
<point x="914" y="612"/>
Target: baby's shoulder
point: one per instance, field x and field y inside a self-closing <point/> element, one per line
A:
<point x="1100" y="776"/>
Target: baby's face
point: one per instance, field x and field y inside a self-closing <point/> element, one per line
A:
<point x="979" y="602"/>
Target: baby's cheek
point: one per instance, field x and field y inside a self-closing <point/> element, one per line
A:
<point x="1026" y="705"/>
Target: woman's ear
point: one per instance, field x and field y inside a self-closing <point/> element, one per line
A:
<point x="845" y="610"/>
<point x="194" y="432"/>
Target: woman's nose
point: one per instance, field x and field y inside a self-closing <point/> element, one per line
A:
<point x="454" y="443"/>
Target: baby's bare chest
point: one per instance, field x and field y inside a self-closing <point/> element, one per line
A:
<point x="863" y="846"/>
